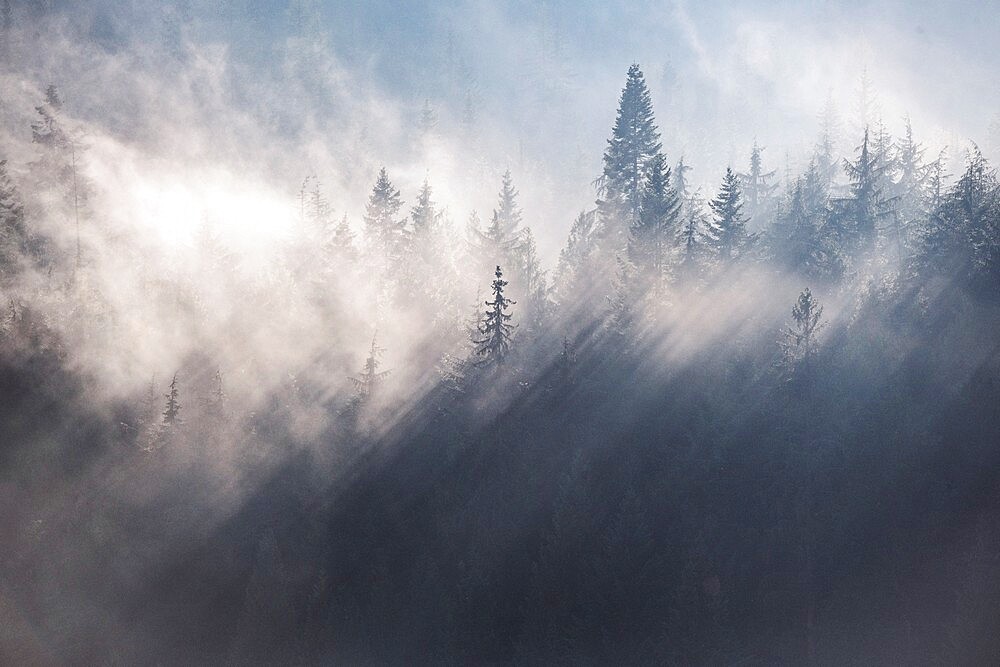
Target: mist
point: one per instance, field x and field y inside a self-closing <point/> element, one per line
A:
<point x="477" y="333"/>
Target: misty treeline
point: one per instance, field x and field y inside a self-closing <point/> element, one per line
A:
<point x="756" y="425"/>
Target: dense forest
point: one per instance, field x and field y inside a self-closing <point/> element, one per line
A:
<point x="751" y="422"/>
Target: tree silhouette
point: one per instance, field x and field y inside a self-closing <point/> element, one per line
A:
<point x="496" y="330"/>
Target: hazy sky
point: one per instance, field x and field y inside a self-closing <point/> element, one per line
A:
<point x="544" y="78"/>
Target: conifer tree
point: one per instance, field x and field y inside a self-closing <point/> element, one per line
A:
<point x="799" y="344"/>
<point x="576" y="260"/>
<point x="567" y="362"/>
<point x="757" y="187"/>
<point x="634" y="141"/>
<point x="47" y="130"/>
<point x="963" y="236"/>
<point x="371" y="377"/>
<point x="171" y="413"/>
<point x="867" y="206"/>
<point x="219" y="396"/>
<point x="426" y="226"/>
<point x="796" y="237"/>
<point x="59" y="167"/>
<point x="910" y="192"/>
<point x="424" y="215"/>
<point x="681" y="181"/>
<point x="535" y="288"/>
<point x="691" y="248"/>
<point x="503" y="239"/>
<point x="653" y="230"/>
<point x="384" y="232"/>
<point x="622" y="302"/>
<point x="727" y="234"/>
<point x="496" y="331"/>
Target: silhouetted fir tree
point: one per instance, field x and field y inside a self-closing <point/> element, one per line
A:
<point x="576" y="259"/>
<point x="384" y="232"/>
<point x="727" y="234"/>
<point x="566" y="363"/>
<point x="426" y="225"/>
<point x="799" y="344"/>
<point x="652" y="232"/>
<point x="622" y="302"/>
<point x="796" y="238"/>
<point x="680" y="179"/>
<point x="815" y="191"/>
<point x="867" y="207"/>
<point x="47" y="130"/>
<point x="371" y="377"/>
<point x="691" y="250"/>
<point x="172" y="410"/>
<point x="314" y="209"/>
<point x="634" y="141"/>
<point x="535" y="301"/>
<point x="503" y="239"/>
<point x="495" y="330"/>
<point x="219" y="397"/>
<point x="59" y="167"/>
<point x="910" y="193"/>
<point x="963" y="236"/>
<point x="757" y="188"/>
<point x="936" y="189"/>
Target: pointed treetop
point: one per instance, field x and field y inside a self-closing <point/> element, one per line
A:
<point x="635" y="139"/>
<point x="496" y="330"/>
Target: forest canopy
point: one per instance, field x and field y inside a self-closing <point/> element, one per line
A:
<point x="315" y="352"/>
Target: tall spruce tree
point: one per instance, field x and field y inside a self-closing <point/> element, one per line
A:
<point x="384" y="231"/>
<point x="503" y="238"/>
<point x="47" y="130"/>
<point x="368" y="381"/>
<point x="495" y="331"/>
<point x="634" y="141"/>
<point x="172" y="410"/>
<point x="867" y="207"/>
<point x="653" y="230"/>
<point x="910" y="190"/>
<point x="727" y="234"/>
<point x="681" y="186"/>
<point x="622" y="301"/>
<point x="796" y="240"/>
<point x="758" y="190"/>
<point x="799" y="344"/>
<point x="576" y="261"/>
<point x="963" y="236"/>
<point x="426" y="225"/>
<point x="690" y="240"/>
